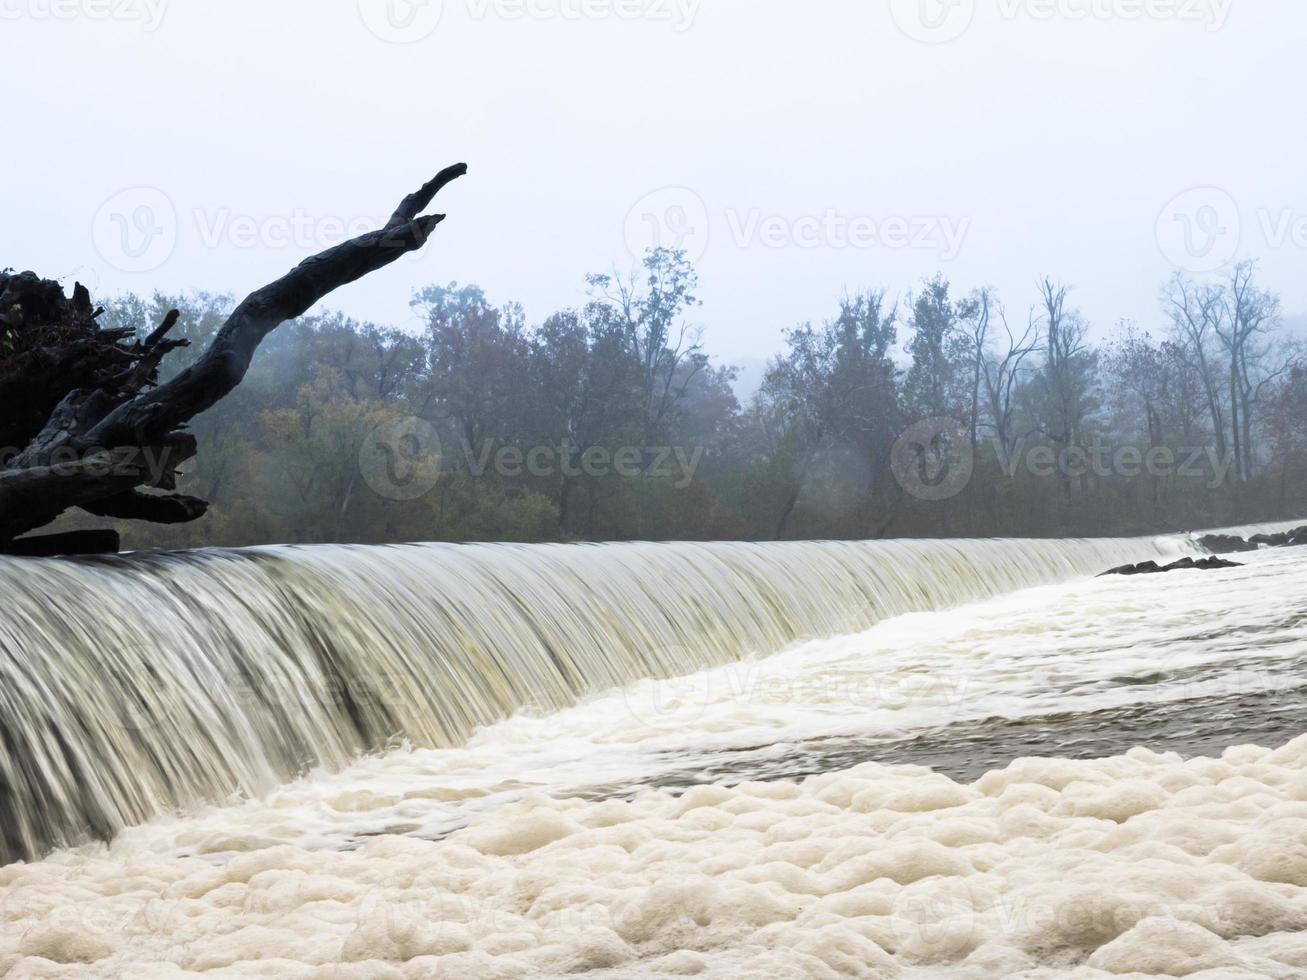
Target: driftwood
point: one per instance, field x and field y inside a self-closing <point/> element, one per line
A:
<point x="70" y="543"/>
<point x="85" y="421"/>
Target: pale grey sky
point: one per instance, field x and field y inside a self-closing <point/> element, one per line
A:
<point x="798" y="149"/>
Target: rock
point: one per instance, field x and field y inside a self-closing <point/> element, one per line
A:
<point x="1184" y="564"/>
<point x="1144" y="568"/>
<point x="1271" y="540"/>
<point x="1226" y="544"/>
<point x="1281" y="539"/>
<point x="1285" y="539"/>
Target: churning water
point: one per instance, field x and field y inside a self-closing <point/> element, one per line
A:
<point x="133" y="686"/>
<point x="172" y="702"/>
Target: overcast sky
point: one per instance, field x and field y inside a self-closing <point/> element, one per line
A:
<point x="797" y="149"/>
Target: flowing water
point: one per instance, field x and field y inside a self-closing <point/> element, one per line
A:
<point x="241" y="712"/>
<point x="133" y="686"/>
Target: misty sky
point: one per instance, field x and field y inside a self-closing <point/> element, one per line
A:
<point x="797" y="149"/>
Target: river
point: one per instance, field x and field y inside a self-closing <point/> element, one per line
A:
<point x="965" y="759"/>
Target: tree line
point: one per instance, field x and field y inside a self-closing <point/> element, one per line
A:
<point x="939" y="412"/>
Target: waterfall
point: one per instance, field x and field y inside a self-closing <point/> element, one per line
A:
<point x="144" y="684"/>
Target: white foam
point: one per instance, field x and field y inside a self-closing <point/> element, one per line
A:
<point x="1145" y="864"/>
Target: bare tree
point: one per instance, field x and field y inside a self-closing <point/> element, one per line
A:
<point x="1064" y="387"/>
<point x="1141" y="374"/>
<point x="1064" y="349"/>
<point x="1247" y="315"/>
<point x="1195" y="313"/>
<point x="1001" y="375"/>
<point x="974" y="315"/>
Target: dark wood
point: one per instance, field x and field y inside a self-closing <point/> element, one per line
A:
<point x="71" y="543"/>
<point x="86" y="422"/>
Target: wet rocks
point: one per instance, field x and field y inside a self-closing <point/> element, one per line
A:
<point x="1184" y="564"/>
<point x="1285" y="539"/>
<point x="1226" y="544"/>
<point x="1205" y="564"/>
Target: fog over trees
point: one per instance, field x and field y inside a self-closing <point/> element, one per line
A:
<point x="928" y="409"/>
